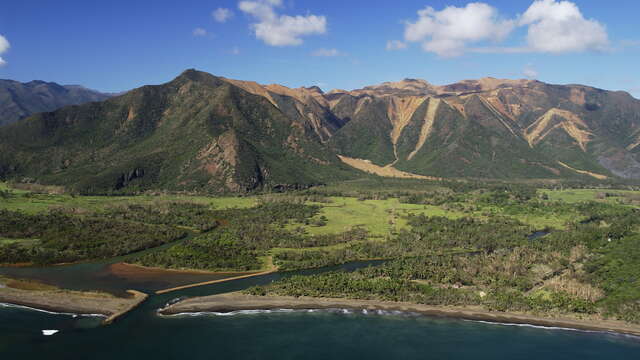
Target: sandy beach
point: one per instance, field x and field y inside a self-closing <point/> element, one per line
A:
<point x="45" y="297"/>
<point x="238" y="301"/>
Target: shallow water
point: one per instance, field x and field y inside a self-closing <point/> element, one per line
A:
<point x="297" y="335"/>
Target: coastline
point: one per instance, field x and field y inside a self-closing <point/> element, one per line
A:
<point x="52" y="299"/>
<point x="237" y="301"/>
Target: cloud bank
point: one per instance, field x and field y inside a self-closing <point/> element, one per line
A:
<point x="281" y="30"/>
<point x="449" y="31"/>
<point x="553" y="27"/>
<point x="560" y="27"/>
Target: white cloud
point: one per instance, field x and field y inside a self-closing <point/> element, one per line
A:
<point x="449" y="31"/>
<point x="326" y="52"/>
<point x="221" y="15"/>
<point x="199" y="32"/>
<point x="4" y="46"/>
<point x="235" y="50"/>
<point x="560" y="27"/>
<point x="553" y="26"/>
<point x="281" y="30"/>
<point x="396" y="45"/>
<point x="530" y="72"/>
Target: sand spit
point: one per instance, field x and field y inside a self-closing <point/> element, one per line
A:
<point x="216" y="281"/>
<point x="238" y="301"/>
<point x="76" y="302"/>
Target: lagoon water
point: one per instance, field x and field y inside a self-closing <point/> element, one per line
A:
<point x="142" y="334"/>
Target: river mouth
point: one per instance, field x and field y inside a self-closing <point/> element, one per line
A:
<point x="111" y="277"/>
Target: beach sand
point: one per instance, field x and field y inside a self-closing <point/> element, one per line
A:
<point x="238" y="301"/>
<point x="46" y="297"/>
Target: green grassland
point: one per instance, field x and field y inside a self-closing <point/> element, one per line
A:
<point x="32" y="203"/>
<point x="379" y="217"/>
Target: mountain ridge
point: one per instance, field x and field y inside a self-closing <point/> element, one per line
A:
<point x="19" y="100"/>
<point x="200" y="131"/>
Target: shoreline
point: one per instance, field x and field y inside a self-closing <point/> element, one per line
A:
<point x="48" y="298"/>
<point x="237" y="301"/>
<point x="83" y="305"/>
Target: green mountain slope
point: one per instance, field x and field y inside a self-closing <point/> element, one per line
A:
<point x="200" y="132"/>
<point x="197" y="132"/>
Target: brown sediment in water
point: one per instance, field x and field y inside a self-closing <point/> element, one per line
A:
<point x="139" y="271"/>
<point x="238" y="301"/>
<point x="41" y="296"/>
<point x="17" y="265"/>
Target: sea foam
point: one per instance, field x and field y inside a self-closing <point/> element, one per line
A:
<point x="556" y="328"/>
<point x="340" y="311"/>
<point x="47" y="311"/>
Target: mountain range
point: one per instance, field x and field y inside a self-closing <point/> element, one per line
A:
<point x="203" y="132"/>
<point x="19" y="100"/>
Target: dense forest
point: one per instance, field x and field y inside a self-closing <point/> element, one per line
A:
<point x="593" y="267"/>
<point x="247" y="235"/>
<point x="64" y="238"/>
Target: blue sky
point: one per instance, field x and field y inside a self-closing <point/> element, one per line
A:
<point x="117" y="45"/>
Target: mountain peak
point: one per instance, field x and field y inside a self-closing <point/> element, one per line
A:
<point x="315" y="89"/>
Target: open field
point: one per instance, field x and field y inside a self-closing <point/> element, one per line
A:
<point x="35" y="202"/>
<point x="379" y="217"/>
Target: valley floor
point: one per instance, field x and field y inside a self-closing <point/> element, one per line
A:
<point x="510" y="248"/>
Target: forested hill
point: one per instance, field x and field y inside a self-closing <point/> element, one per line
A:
<point x="20" y="100"/>
<point x="202" y="132"/>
